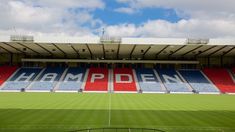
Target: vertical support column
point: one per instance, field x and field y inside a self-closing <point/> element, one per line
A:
<point x="11" y="59"/>
<point x="221" y="61"/>
<point x="208" y="61"/>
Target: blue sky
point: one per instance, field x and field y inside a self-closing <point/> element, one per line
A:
<point x="123" y="18"/>
<point x="111" y="17"/>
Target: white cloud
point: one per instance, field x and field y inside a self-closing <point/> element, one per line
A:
<point x="125" y="10"/>
<point x="75" y="18"/>
<point x="205" y="9"/>
<point x="208" y="18"/>
<point x="122" y="30"/>
<point x="49" y="17"/>
<point x="184" y="28"/>
<point x="88" y="4"/>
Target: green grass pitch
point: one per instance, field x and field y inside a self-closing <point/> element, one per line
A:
<point x="72" y="111"/>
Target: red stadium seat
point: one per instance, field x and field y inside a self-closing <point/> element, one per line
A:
<point x="123" y="80"/>
<point x="6" y="72"/>
<point x="97" y="80"/>
<point x="221" y="78"/>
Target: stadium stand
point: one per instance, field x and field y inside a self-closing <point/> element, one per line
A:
<point x="123" y="80"/>
<point x="73" y="79"/>
<point x="48" y="79"/>
<point x="97" y="80"/>
<point x="148" y="81"/>
<point x="21" y="79"/>
<point x="6" y="72"/>
<point x="172" y="81"/>
<point x="221" y="78"/>
<point x="198" y="81"/>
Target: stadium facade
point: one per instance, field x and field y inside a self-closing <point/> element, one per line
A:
<point x="109" y="64"/>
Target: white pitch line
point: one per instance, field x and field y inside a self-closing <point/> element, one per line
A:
<point x="109" y="109"/>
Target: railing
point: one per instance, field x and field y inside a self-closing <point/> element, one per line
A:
<point x="118" y="130"/>
<point x="21" y="38"/>
<point x="110" y="40"/>
<point x="197" y="41"/>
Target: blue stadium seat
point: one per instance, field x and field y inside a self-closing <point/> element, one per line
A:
<point x="148" y="81"/>
<point x="73" y="80"/>
<point x="172" y="81"/>
<point x="198" y="81"/>
<point x="48" y="79"/>
<point x="22" y="79"/>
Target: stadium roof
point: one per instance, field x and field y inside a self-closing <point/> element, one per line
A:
<point x="116" y="48"/>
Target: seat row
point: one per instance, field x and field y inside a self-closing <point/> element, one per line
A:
<point x="209" y="80"/>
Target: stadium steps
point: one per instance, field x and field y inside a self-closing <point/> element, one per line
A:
<point x="21" y="79"/>
<point x="198" y="81"/>
<point x="149" y="81"/>
<point x="110" y="85"/>
<point x="184" y="81"/>
<point x="43" y="85"/>
<point x="71" y="80"/>
<point x="160" y="81"/>
<point x="173" y="81"/>
<point x="221" y="78"/>
<point x="40" y="73"/>
<point x="60" y="80"/>
<point x="232" y="72"/>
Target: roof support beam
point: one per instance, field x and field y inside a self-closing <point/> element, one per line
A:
<point x="78" y="55"/>
<point x="89" y="51"/>
<point x="161" y="51"/>
<point x="204" y="51"/>
<point x="146" y="51"/>
<point x="65" y="55"/>
<point x="132" y="51"/>
<point x="103" y="51"/>
<point x="176" y="50"/>
<point x="45" y="49"/>
<point x="216" y="51"/>
<point x="112" y="61"/>
<point x="228" y="51"/>
<point x="14" y="48"/>
<point x="118" y="51"/>
<point x="192" y="50"/>
<point x="6" y="50"/>
<point x="29" y="48"/>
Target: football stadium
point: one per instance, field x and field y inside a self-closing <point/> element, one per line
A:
<point x="116" y="84"/>
<point x="117" y="66"/>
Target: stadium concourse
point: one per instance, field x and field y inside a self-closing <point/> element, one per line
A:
<point x="109" y="64"/>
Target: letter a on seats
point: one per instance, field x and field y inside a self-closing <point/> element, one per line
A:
<point x="49" y="77"/>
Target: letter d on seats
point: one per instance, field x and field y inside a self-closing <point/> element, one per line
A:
<point x="119" y="78"/>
